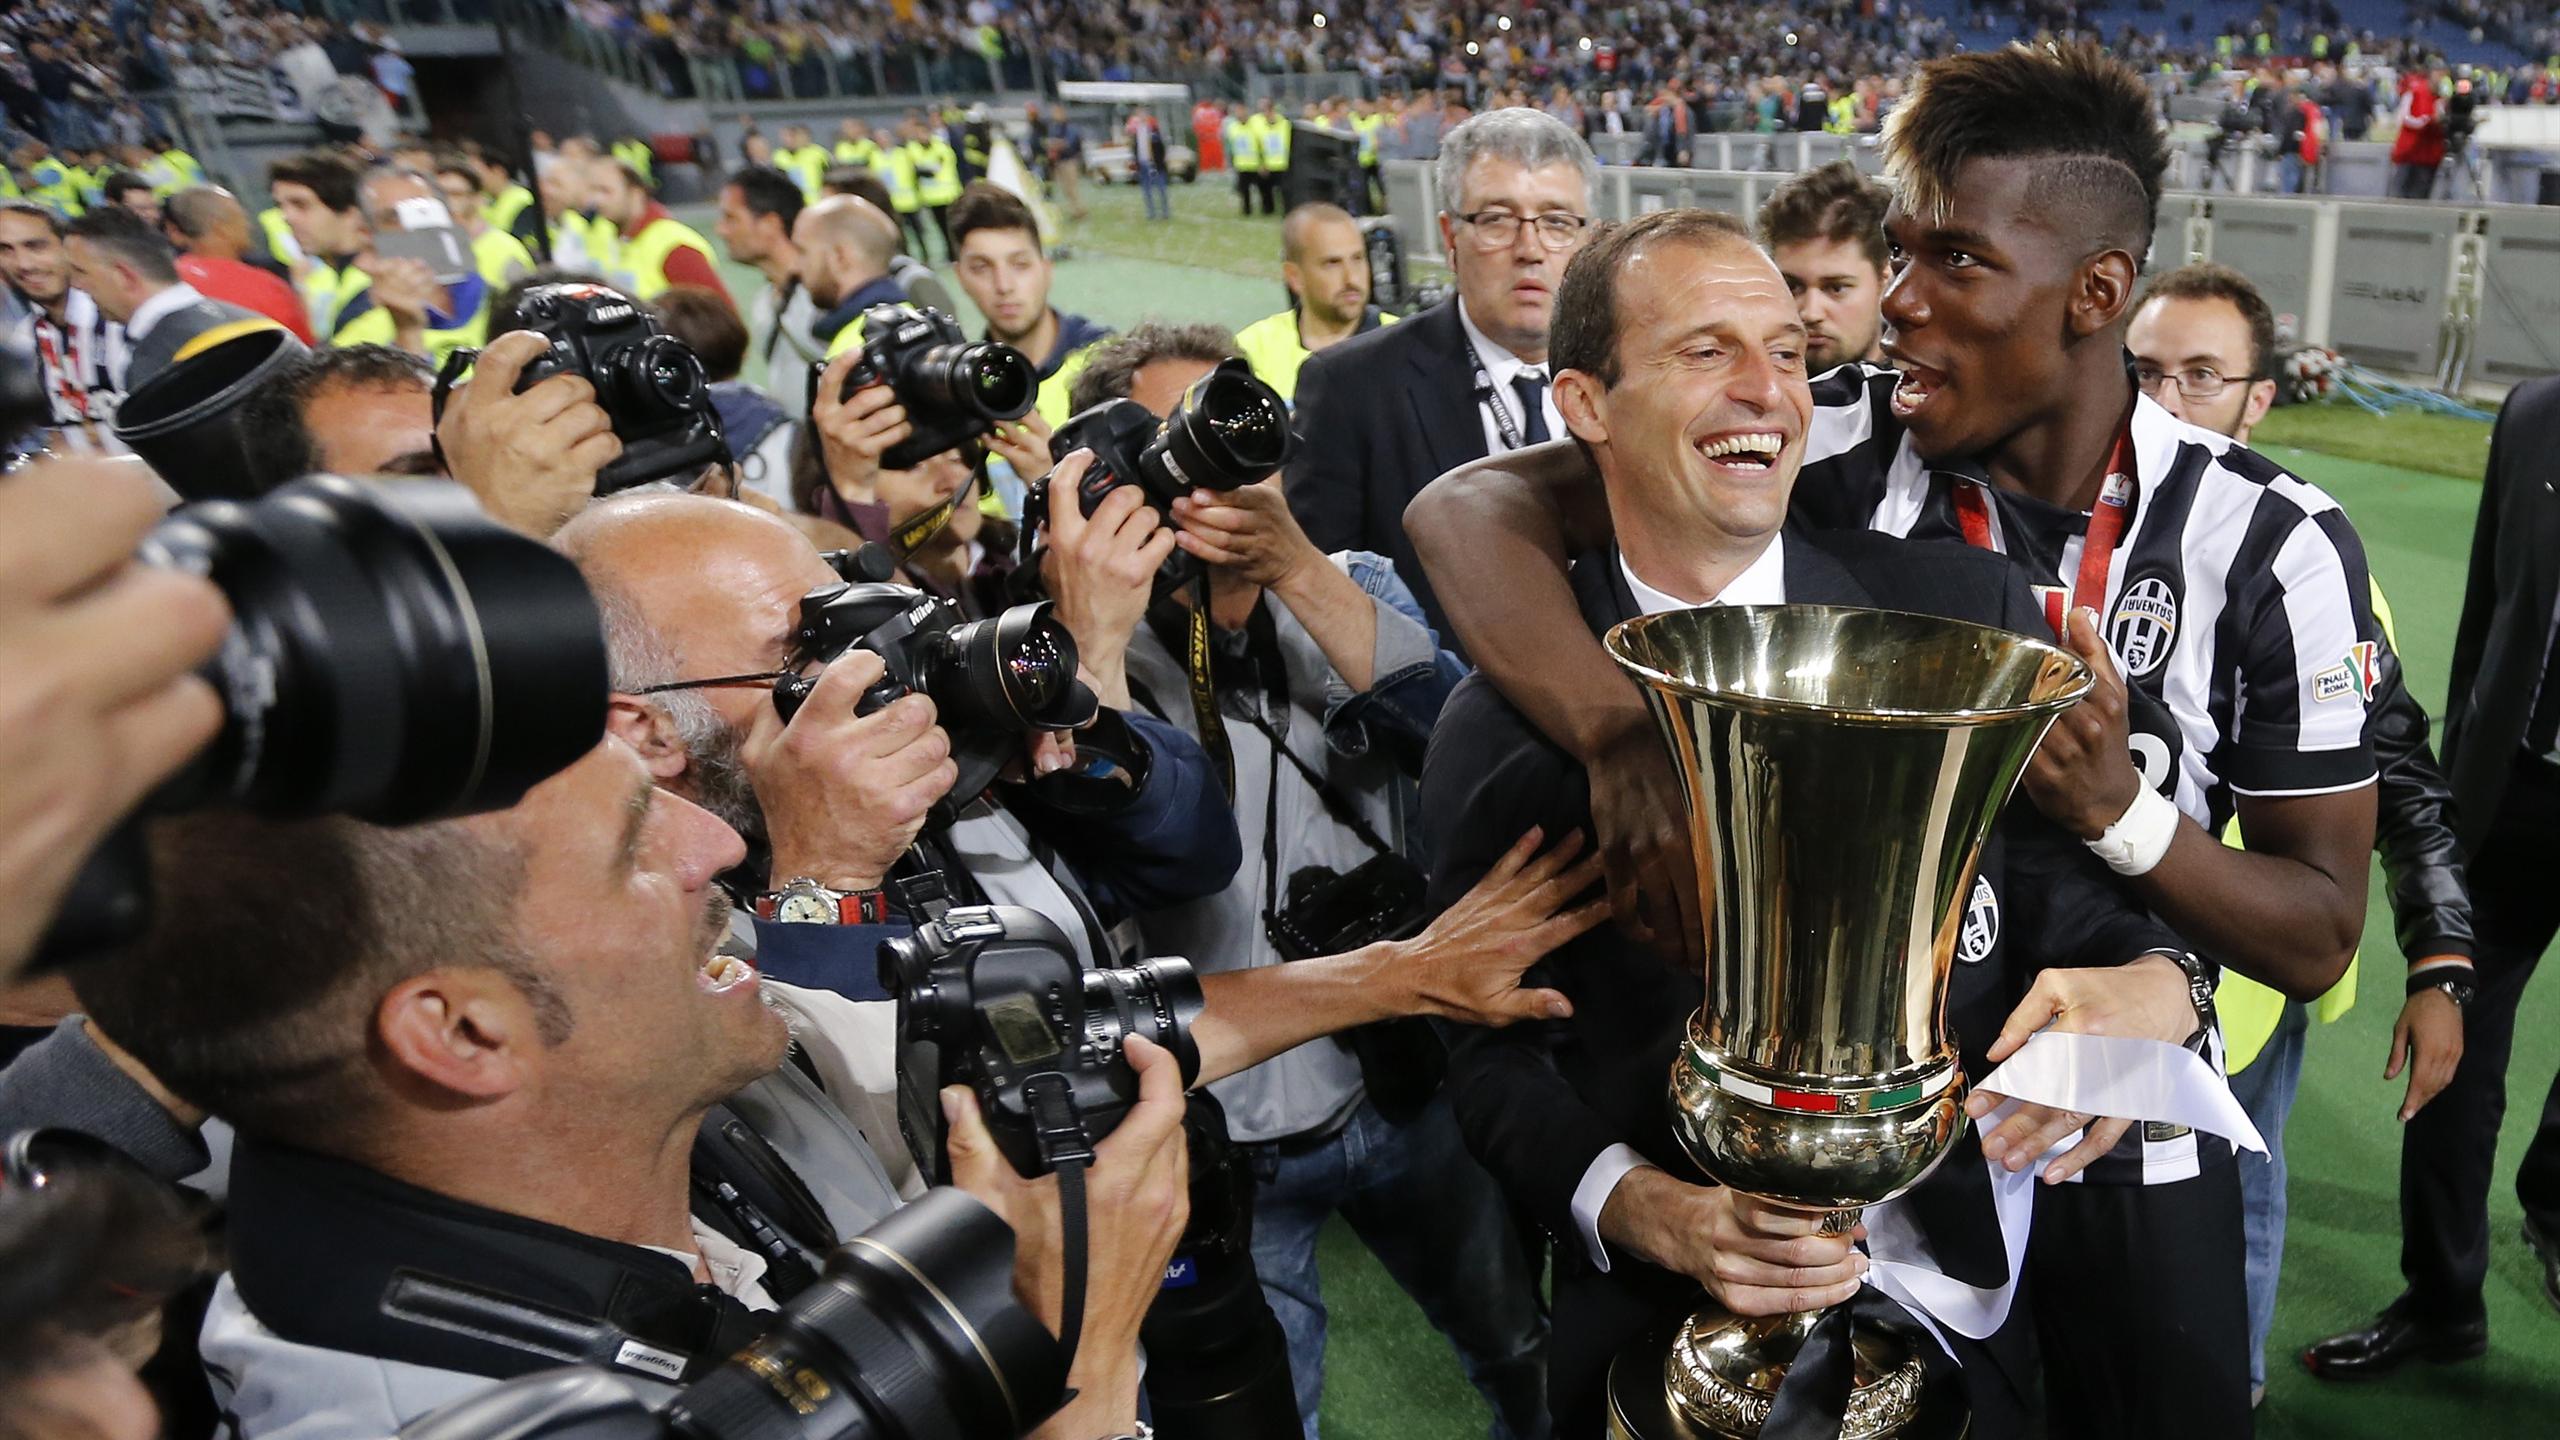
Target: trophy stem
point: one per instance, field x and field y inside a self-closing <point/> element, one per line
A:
<point x="1841" y="1222"/>
<point x="1724" y="1371"/>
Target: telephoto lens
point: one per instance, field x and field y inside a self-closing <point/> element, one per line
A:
<point x="953" y="389"/>
<point x="1228" y="430"/>
<point x="394" y="655"/>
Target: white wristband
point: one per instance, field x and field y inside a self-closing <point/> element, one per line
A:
<point x="2140" y="836"/>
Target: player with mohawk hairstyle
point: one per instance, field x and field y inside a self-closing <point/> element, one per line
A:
<point x="2221" y="601"/>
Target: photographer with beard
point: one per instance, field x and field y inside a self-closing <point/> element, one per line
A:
<point x="1329" y="682"/>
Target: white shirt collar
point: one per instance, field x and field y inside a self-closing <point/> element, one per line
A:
<point x="1762" y="582"/>
<point x="1501" y="366"/>
<point x="734" y="1270"/>
<point x="168" y="302"/>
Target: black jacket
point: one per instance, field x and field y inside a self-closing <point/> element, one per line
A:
<point x="2499" y="649"/>
<point x="1540" y="1101"/>
<point x="1379" y="416"/>
<point x="2413" y="821"/>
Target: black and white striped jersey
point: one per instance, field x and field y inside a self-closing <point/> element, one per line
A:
<point x="2237" y="609"/>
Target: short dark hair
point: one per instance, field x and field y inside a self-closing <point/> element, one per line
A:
<point x="278" y="442"/>
<point x="707" y="326"/>
<point x="1832" y="203"/>
<point x="130" y="238"/>
<point x="52" y="218"/>
<point x="985" y="206"/>
<point x="1111" y="367"/>
<point x="863" y="183"/>
<point x="120" y="183"/>
<point x="2070" y="105"/>
<point x="252" y="995"/>
<point x="327" y="174"/>
<point x="1584" y="336"/>
<point x="767" y="191"/>
<point x="450" y="160"/>
<point x="2205" y="280"/>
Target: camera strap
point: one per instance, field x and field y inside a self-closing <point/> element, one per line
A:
<point x="1065" y="1150"/>
<point x="1204" y="687"/>
<point x="923" y="525"/>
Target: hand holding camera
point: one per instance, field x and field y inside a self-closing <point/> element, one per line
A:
<point x="856" y="427"/>
<point x="845" y="792"/>
<point x="99" y="651"/>
<point x="531" y="455"/>
<point x="408" y="290"/>
<point x="1023" y="444"/>
<point x="1101" y="570"/>
<point x="1247" y="531"/>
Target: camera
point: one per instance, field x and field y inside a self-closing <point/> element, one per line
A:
<point x="394" y="655"/>
<point x="991" y="997"/>
<point x="991" y="681"/>
<point x="954" y="389"/>
<point x="652" y="387"/>
<point x="912" y="1333"/>
<point x="1228" y="430"/>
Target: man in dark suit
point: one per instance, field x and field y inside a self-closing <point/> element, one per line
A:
<point x="2502" y="749"/>
<point x="1696" y="416"/>
<point x="1383" y="414"/>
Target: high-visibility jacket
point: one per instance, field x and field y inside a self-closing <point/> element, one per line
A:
<point x="500" y="258"/>
<point x="361" y="322"/>
<point x="866" y="153"/>
<point x="642" y="259"/>
<point x="808" y="165"/>
<point x="503" y="208"/>
<point x="937" y="171"/>
<point x="636" y="154"/>
<point x="183" y="171"/>
<point x="1272" y="134"/>
<point x="327" y="290"/>
<point x="1274" y="348"/>
<point x="1367" y="127"/>
<point x="57" y="185"/>
<point x="580" y="242"/>
<point x="1244" y="146"/>
<point x="898" y="171"/>
<point x="8" y="184"/>
<point x="279" y="237"/>
<point x="1843" y="115"/>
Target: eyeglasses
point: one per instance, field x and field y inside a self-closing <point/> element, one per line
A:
<point x="766" y="678"/>
<point x="1500" y="229"/>
<point x="2201" y="383"/>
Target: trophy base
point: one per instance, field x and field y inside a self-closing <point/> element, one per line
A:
<point x="1721" y="1374"/>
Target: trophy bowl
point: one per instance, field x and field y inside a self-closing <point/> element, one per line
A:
<point x="1842" y="770"/>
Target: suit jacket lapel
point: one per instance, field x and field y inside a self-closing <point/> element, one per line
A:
<point x="1442" y="391"/>
<point x="1812" y="576"/>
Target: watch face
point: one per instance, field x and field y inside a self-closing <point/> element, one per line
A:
<point x="800" y="908"/>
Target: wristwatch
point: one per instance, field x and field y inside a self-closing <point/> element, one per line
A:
<point x="2199" y="988"/>
<point x="804" y="901"/>
<point x="2454" y="980"/>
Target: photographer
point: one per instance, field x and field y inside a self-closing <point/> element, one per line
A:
<point x="524" y="1125"/>
<point x="1330" y="683"/>
<point x="405" y="303"/>
<point x="531" y="458"/>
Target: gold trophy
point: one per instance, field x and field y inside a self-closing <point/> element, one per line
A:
<point x="1842" y="768"/>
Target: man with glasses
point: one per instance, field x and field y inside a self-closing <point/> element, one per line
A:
<point x="1381" y="414"/>
<point x="2204" y="346"/>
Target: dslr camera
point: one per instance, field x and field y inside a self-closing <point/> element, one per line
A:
<point x="1228" y="430"/>
<point x="992" y="997"/>
<point x="652" y="387"/>
<point x="953" y="389"/>
<point x="991" y="681"/>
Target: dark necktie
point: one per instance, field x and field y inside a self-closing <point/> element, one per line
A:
<point x="1531" y="387"/>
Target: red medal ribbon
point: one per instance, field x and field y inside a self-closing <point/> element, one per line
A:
<point x="2097" y="549"/>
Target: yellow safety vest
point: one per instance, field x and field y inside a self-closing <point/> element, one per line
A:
<point x="503" y="208"/>
<point x="808" y="165"/>
<point x="58" y="185"/>
<point x="1244" y="146"/>
<point x="325" y="293"/>
<point x="376" y="327"/>
<point x="637" y="155"/>
<point x="1274" y="136"/>
<point x="937" y="171"/>
<point x="280" y="241"/>
<point x="8" y="184"/>
<point x="1052" y="403"/>
<point x="1367" y="128"/>
<point x="866" y="153"/>
<point x="2248" y="1010"/>
<point x="500" y="258"/>
<point x="897" y="170"/>
<point x="183" y="170"/>
<point x="644" y="256"/>
<point x="1273" y="347"/>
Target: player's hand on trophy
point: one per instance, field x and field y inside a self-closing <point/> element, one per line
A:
<point x="1754" y="1257"/>
<point x="2082" y="776"/>
<point x="2144" y="1000"/>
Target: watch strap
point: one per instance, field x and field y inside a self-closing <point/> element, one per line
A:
<point x="854" y="907"/>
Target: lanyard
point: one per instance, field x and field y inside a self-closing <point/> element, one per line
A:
<point x="1492" y="399"/>
<point x="2097" y="549"/>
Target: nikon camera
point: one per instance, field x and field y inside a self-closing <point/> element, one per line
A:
<point x="953" y="389"/>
